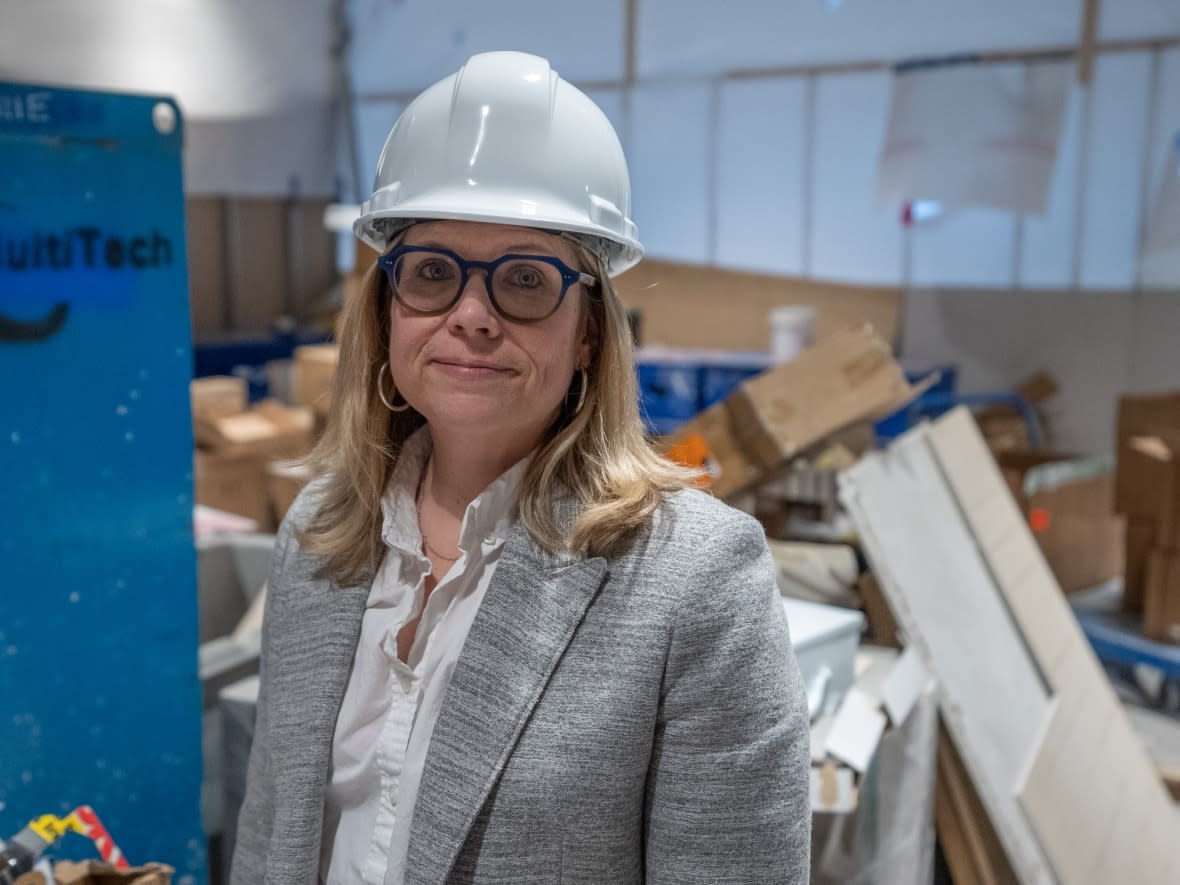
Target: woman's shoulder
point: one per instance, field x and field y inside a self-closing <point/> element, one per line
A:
<point x="303" y="509"/>
<point x="693" y="510"/>
<point x="692" y="521"/>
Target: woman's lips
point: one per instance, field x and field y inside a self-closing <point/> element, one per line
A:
<point x="471" y="368"/>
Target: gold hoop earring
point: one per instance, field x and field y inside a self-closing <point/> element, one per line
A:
<point x="582" y="391"/>
<point x="381" y="389"/>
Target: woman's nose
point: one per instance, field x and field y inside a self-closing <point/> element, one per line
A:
<point x="474" y="310"/>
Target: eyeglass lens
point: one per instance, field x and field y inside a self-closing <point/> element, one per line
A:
<point x="520" y="288"/>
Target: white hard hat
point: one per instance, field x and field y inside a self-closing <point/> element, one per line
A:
<point x="505" y="140"/>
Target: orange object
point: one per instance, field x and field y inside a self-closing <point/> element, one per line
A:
<point x="1038" y="519"/>
<point x="693" y="451"/>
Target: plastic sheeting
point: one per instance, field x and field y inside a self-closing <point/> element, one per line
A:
<point x="890" y="835"/>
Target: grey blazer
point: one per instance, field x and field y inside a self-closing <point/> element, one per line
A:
<point x="639" y="719"/>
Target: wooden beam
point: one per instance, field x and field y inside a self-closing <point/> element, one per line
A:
<point x="630" y="52"/>
<point x="1086" y="45"/>
<point x="1005" y="56"/>
<point x="1042" y="54"/>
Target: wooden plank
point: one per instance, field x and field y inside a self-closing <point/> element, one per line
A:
<point x="204" y="219"/>
<point x="687" y="305"/>
<point x="973" y="851"/>
<point x="311" y="252"/>
<point x="1086" y="44"/>
<point x="258" y="269"/>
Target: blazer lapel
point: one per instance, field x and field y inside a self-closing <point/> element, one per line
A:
<point x="314" y="640"/>
<point x="532" y="608"/>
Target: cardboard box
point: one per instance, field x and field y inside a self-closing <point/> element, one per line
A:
<point x="847" y="378"/>
<point x="95" y="873"/>
<point x="285" y="480"/>
<point x="1142" y="415"/>
<point x="1153" y="478"/>
<point x="217" y="396"/>
<point x="270" y="429"/>
<point x="234" y="483"/>
<point x="314" y="369"/>
<point x="1140" y="540"/>
<point x="1006" y="429"/>
<point x="1161" y="598"/>
<point x="1068" y="504"/>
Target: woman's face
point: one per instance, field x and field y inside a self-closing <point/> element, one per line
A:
<point x="472" y="370"/>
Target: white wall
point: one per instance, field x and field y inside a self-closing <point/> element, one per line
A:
<point x="253" y="79"/>
<point x="777" y="172"/>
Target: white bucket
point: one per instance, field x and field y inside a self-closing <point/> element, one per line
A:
<point x="792" y="331"/>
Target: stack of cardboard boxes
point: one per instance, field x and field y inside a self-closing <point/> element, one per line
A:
<point x="1068" y="503"/>
<point x="846" y="379"/>
<point x="236" y="444"/>
<point x="1148" y="493"/>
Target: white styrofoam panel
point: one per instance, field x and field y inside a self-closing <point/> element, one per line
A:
<point x="707" y="38"/>
<point x="1047" y="241"/>
<point x="374" y="119"/>
<point x="405" y="46"/>
<point x="1114" y="158"/>
<point x="760" y="185"/>
<point x="669" y="151"/>
<point x="966" y="247"/>
<point x="852" y="237"/>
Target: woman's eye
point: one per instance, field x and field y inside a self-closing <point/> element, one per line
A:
<point x="435" y="270"/>
<point x="526" y="277"/>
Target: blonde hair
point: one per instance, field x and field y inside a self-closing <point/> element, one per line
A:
<point x="597" y="454"/>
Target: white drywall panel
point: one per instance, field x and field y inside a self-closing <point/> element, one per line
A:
<point x="1080" y="774"/>
<point x="405" y="46"/>
<point x="1132" y="19"/>
<point x="1165" y="121"/>
<point x="1163" y="156"/>
<point x="932" y="572"/>
<point x="853" y="239"/>
<point x="1047" y="241"/>
<point x="679" y="37"/>
<point x="669" y="152"/>
<point x="760" y="186"/>
<point x="1114" y="158"/>
<point x="966" y="247"/>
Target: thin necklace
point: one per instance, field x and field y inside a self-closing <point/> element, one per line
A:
<point x="418" y="510"/>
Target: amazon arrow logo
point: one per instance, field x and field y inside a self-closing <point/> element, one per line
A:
<point x="24" y="331"/>
<point x="14" y="330"/>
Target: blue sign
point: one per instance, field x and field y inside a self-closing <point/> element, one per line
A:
<point x="99" y="692"/>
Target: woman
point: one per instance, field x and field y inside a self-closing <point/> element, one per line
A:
<point x="504" y="642"/>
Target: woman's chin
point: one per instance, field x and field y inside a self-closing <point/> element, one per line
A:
<point x="486" y="416"/>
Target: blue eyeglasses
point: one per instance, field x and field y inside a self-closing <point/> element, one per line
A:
<point x="522" y="288"/>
